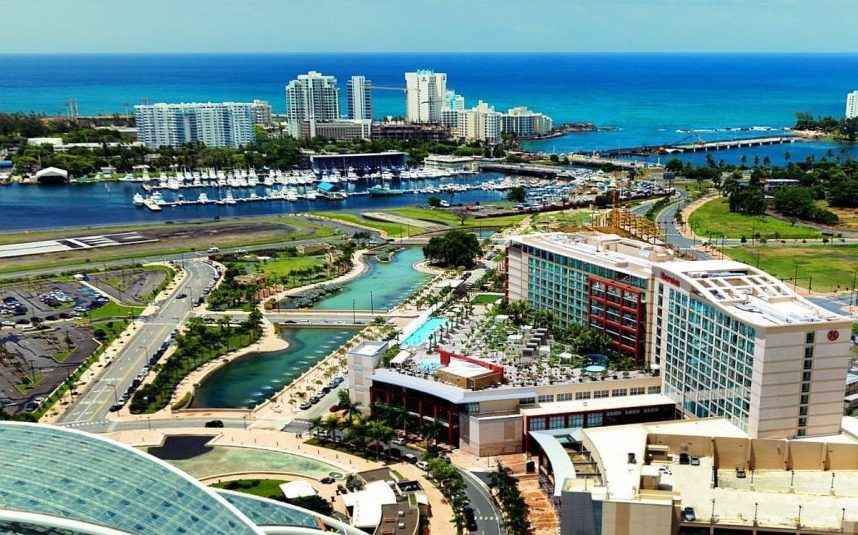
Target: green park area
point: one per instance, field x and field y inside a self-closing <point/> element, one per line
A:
<point x="451" y="218"/>
<point x="114" y="310"/>
<point x="283" y="266"/>
<point x="264" y="488"/>
<point x="822" y="267"/>
<point x="714" y="219"/>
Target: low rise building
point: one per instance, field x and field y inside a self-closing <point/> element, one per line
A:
<point x="401" y="130"/>
<point x="338" y="130"/>
<point x="696" y="477"/>
<point x="523" y="123"/>
<point x="458" y="164"/>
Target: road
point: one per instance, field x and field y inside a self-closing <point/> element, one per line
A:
<point x="94" y="403"/>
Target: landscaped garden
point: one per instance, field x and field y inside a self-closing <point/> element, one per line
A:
<point x="714" y="219"/>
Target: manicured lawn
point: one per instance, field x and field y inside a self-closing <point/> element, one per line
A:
<point x="447" y="217"/>
<point x="264" y="488"/>
<point x="714" y="218"/>
<point x="392" y="230"/>
<point x="280" y="267"/>
<point x="486" y="298"/>
<point x="113" y="310"/>
<point x="827" y="265"/>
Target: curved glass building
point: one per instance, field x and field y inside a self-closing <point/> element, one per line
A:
<point x="57" y="480"/>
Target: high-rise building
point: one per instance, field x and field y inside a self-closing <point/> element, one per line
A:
<point x="261" y="112"/>
<point x="728" y="339"/>
<point x="852" y="105"/>
<point x="359" y="97"/>
<point x="312" y="97"/>
<point x="453" y="101"/>
<point x="480" y="123"/>
<point x="525" y="123"/>
<point x="735" y="342"/>
<point x="425" y="92"/>
<point x="226" y="124"/>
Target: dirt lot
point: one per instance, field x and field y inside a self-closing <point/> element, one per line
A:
<point x="168" y="239"/>
<point x="44" y="359"/>
<point x="131" y="286"/>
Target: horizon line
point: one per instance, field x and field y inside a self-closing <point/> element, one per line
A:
<point x="444" y="52"/>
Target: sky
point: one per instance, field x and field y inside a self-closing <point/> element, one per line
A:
<point x="280" y="26"/>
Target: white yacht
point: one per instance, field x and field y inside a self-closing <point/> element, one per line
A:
<point x="138" y="199"/>
<point x="203" y="198"/>
<point x="229" y="199"/>
<point x="157" y="198"/>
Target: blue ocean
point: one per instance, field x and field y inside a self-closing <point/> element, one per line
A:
<point x="649" y="99"/>
<point x="645" y="99"/>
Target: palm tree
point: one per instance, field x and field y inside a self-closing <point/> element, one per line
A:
<point x="331" y="424"/>
<point x="350" y="408"/>
<point x="399" y="417"/>
<point x="316" y="423"/>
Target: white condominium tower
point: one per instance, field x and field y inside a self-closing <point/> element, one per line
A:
<point x="425" y="94"/>
<point x="312" y="97"/>
<point x="359" y="98"/>
<point x="852" y="105"/>
<point x="226" y="124"/>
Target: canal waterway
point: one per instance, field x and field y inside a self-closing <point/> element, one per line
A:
<point x="249" y="381"/>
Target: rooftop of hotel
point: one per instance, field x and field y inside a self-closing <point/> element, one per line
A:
<point x="816" y="478"/>
<point x="748" y="293"/>
<point x="609" y="249"/>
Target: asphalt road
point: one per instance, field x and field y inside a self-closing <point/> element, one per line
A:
<point x="94" y="403"/>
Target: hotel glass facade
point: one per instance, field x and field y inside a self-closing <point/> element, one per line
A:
<point x="708" y="357"/>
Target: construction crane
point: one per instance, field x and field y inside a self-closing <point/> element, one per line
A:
<point x="387" y="88"/>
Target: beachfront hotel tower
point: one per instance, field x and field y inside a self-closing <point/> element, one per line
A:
<point x="312" y="97"/>
<point x="359" y="98"/>
<point x="852" y="105"/>
<point x="224" y="124"/>
<point x="425" y="92"/>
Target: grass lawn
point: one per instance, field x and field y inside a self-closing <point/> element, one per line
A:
<point x="447" y="217"/>
<point x="714" y="218"/>
<point x="280" y="267"/>
<point x="257" y="487"/>
<point x="827" y="265"/>
<point x="393" y="230"/>
<point x="486" y="298"/>
<point x="31" y="383"/>
<point x="113" y="310"/>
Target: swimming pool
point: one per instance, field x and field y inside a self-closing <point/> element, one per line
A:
<point x="421" y="335"/>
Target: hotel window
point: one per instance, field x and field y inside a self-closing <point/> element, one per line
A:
<point x="472" y="408"/>
<point x="536" y="424"/>
<point x="653" y="390"/>
<point x="557" y="422"/>
<point x="582" y="395"/>
<point x="594" y="419"/>
<point x="805" y="376"/>
<point x="600" y="394"/>
<point x="808" y="364"/>
<point x="636" y="391"/>
<point x="547" y="398"/>
<point x="808" y="352"/>
<point x="527" y="401"/>
<point x="576" y="420"/>
<point x="566" y="396"/>
<point x="809" y="337"/>
<point x="617" y="392"/>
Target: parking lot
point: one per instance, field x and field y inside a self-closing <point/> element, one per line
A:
<point x="32" y="364"/>
<point x="46" y="301"/>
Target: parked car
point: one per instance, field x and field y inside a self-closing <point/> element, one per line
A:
<point x="470" y="519"/>
<point x="399" y="440"/>
<point x="688" y="514"/>
<point x="214" y="423"/>
<point x="334" y="408"/>
<point x="181" y="296"/>
<point x="327" y="480"/>
<point x="740" y="472"/>
<point x="423" y="465"/>
<point x="306" y="405"/>
<point x="410" y="458"/>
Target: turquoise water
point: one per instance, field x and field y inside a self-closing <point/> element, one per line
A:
<point x="228" y="459"/>
<point x="251" y="380"/>
<point x="389" y="283"/>
<point x="423" y="332"/>
<point x="247" y="382"/>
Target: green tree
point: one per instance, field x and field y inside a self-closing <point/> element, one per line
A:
<point x="433" y="201"/>
<point x="517" y="194"/>
<point x="454" y="248"/>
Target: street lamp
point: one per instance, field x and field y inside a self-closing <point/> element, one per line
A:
<point x="115" y="396"/>
<point x="354" y="319"/>
<point x="372" y="306"/>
